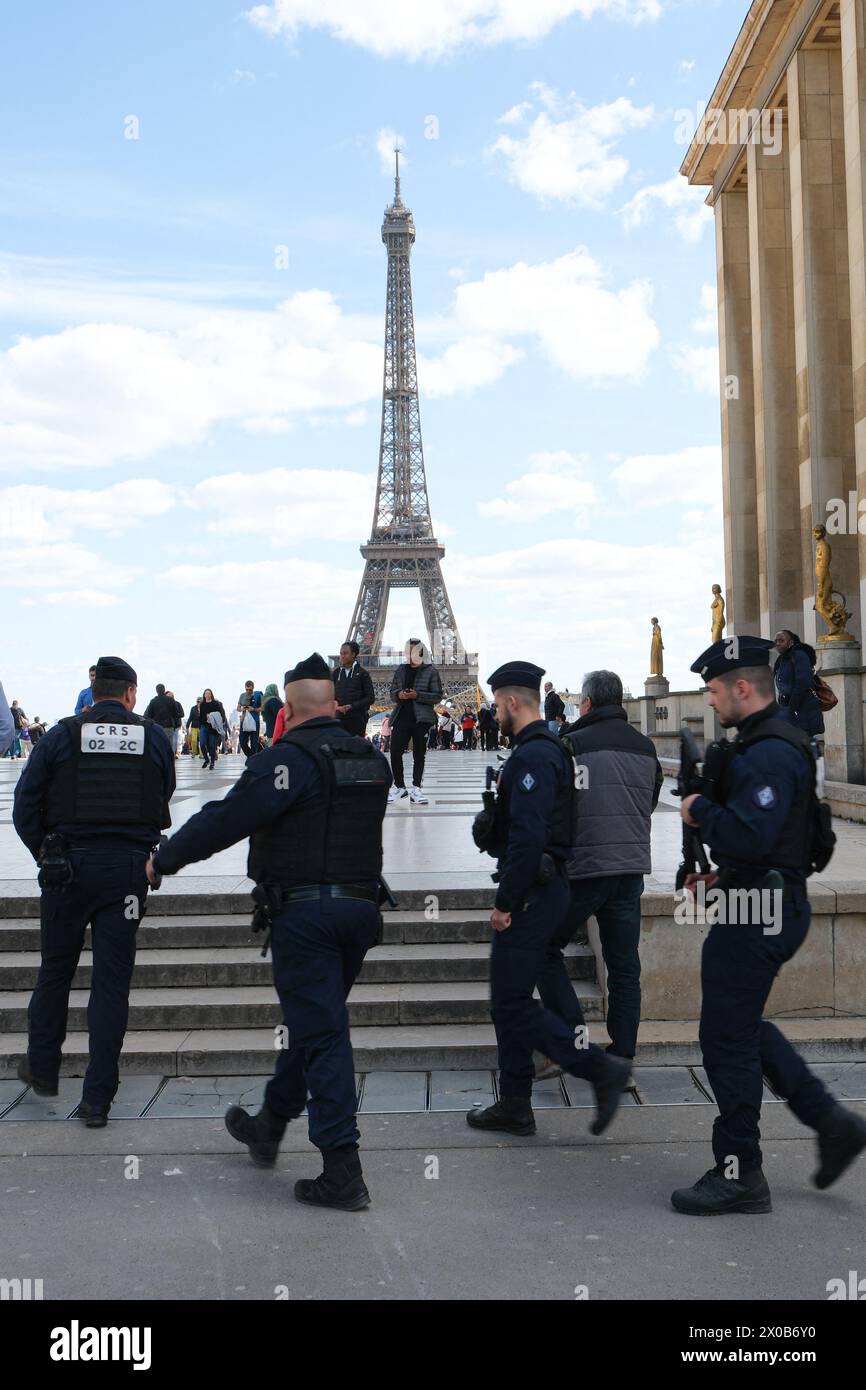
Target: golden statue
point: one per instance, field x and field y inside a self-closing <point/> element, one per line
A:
<point x="656" y="659"/>
<point x="717" y="608"/>
<point x="827" y="604"/>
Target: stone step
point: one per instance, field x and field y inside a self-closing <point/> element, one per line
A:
<point x="457" y="1047"/>
<point x="226" y="929"/>
<point x="178" y="897"/>
<point x="243" y="965"/>
<point x="253" y="1006"/>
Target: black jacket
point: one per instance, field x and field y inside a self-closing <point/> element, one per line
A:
<point x="428" y="684"/>
<point x="553" y="706"/>
<point x="165" y="711"/>
<point x="355" y="688"/>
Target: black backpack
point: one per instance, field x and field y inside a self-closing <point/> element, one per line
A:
<point x="821" y="840"/>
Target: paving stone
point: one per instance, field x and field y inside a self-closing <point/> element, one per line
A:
<point x="37" y="1108"/>
<point x="133" y="1094"/>
<point x="847" y="1080"/>
<point x="460" y="1090"/>
<point x="668" y="1086"/>
<point x="768" y="1098"/>
<point x="10" y="1091"/>
<point x="207" y="1096"/>
<point x="390" y="1092"/>
<point x="547" y="1095"/>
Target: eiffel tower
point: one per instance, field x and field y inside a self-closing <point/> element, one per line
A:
<point x="402" y="552"/>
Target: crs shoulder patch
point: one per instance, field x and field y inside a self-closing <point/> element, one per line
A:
<point x="765" y="797"/>
<point x="527" y="782"/>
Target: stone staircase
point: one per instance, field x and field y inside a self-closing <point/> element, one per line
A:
<point x="202" y="1001"/>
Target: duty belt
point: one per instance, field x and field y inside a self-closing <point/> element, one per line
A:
<point x="307" y="892"/>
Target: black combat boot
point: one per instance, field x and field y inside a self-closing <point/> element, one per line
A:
<point x="841" y="1137"/>
<point x="714" y="1194"/>
<point x="509" y="1116"/>
<point x="609" y="1087"/>
<point x="340" y="1185"/>
<point x="94" y="1116"/>
<point x="39" y="1085"/>
<point x="261" y="1133"/>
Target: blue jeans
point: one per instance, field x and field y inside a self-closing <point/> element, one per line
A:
<point x="209" y="742"/>
<point x="249" y="738"/>
<point x="615" y="904"/>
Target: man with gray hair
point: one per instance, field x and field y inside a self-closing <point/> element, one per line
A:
<point x="618" y="779"/>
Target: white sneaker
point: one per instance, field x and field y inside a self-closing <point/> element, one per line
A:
<point x="396" y="792"/>
<point x="418" y="797"/>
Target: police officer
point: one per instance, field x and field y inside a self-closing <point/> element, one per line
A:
<point x="89" y="806"/>
<point x="758" y="820"/>
<point x="530" y="838"/>
<point x="313" y="805"/>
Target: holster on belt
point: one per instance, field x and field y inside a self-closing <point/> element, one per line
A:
<point x="268" y="899"/>
<point x="55" y="869"/>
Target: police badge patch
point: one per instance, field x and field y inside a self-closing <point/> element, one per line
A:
<point x="528" y="782"/>
<point x="765" y="797"/>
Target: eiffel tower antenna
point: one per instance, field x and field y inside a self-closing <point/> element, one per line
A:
<point x="402" y="552"/>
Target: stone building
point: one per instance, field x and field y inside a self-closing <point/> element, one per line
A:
<point x="782" y="151"/>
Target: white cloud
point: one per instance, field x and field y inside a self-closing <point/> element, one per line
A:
<point x="687" y="65"/>
<point x="473" y="362"/>
<point x="700" y="365"/>
<point x="553" y="484"/>
<point x="685" y="202"/>
<point x="119" y="392"/>
<point x="589" y="331"/>
<point x="48" y="514"/>
<point x="709" y="319"/>
<point x="242" y="77"/>
<point x="422" y="29"/>
<point x="575" y="606"/>
<point x="691" y="476"/>
<point x="570" y="159"/>
<point x="287" y="505"/>
<point x="62" y="573"/>
<point x="514" y="115"/>
<point x="100" y="393"/>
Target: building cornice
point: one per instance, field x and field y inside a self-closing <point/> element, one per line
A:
<point x="772" y="32"/>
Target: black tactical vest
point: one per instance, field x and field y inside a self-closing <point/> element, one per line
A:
<point x="336" y="837"/>
<point x="791" y="850"/>
<point x="562" y="822"/>
<point x="110" y="777"/>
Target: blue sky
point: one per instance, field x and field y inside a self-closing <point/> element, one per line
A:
<point x="191" y="330"/>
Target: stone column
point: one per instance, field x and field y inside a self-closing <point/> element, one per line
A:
<point x="775" y="384"/>
<point x="822" y="307"/>
<point x="738" y="412"/>
<point x="853" y="15"/>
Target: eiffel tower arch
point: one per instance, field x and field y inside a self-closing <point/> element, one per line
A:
<point x="403" y="552"/>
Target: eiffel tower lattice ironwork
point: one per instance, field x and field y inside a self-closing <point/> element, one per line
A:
<point x="403" y="552"/>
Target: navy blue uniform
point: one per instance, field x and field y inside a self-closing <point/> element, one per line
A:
<point x="109" y="891"/>
<point x="741" y="960"/>
<point x="318" y="946"/>
<point x="529" y="786"/>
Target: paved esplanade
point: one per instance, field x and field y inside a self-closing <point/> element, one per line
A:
<point x="530" y="1218"/>
<point x="426" y="847"/>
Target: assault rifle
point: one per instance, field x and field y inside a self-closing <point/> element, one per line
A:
<point x="690" y="780"/>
